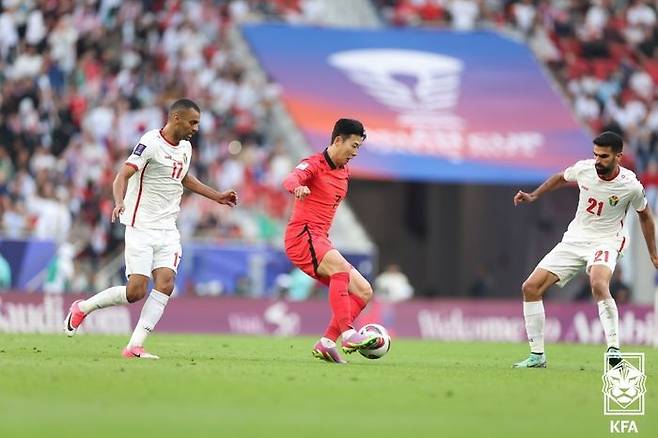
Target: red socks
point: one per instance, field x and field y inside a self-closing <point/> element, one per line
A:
<point x="357" y="307"/>
<point x="339" y="299"/>
<point x="342" y="321"/>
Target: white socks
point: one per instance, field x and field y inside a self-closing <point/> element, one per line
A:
<point x="535" y="318"/>
<point x="112" y="296"/>
<point x="609" y="316"/>
<point x="151" y="313"/>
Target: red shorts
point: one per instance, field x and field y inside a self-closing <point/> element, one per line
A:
<point x="306" y="249"/>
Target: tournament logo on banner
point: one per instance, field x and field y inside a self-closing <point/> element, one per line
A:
<point x="437" y="105"/>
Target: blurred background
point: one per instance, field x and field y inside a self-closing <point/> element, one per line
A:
<point x="465" y="102"/>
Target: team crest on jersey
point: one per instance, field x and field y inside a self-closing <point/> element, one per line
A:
<point x="613" y="200"/>
<point x="139" y="149"/>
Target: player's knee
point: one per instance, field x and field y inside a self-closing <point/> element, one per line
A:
<point x="531" y="291"/>
<point x="365" y="292"/>
<point x="165" y="285"/>
<point x="136" y="291"/>
<point x="599" y="287"/>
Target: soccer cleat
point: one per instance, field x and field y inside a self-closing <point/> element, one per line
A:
<point x="328" y="354"/>
<point x="533" y="361"/>
<point x="137" y="352"/>
<point x="614" y="356"/>
<point x="358" y="341"/>
<point x="74" y="319"/>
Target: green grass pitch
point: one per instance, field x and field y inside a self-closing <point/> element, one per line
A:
<point x="231" y="386"/>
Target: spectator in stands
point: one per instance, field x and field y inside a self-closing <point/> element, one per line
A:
<point x="393" y="285"/>
<point x="5" y="274"/>
<point x="80" y="80"/>
<point x="483" y="284"/>
<point x="464" y="13"/>
<point x="602" y="52"/>
<point x="619" y="290"/>
<point x="295" y="285"/>
<point x="650" y="182"/>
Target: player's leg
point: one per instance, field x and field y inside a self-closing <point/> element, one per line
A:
<point x="163" y="279"/>
<point x="302" y="253"/>
<point x="361" y="293"/>
<point x="165" y="262"/>
<point x="600" y="269"/>
<point x="558" y="267"/>
<point x="334" y="266"/>
<point x="138" y="257"/>
<point x="533" y="290"/>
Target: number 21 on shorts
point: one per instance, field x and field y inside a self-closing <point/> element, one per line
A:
<point x="601" y="256"/>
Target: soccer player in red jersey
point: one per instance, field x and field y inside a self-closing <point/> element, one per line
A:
<point x="319" y="184"/>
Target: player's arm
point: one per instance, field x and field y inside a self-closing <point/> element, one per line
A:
<point x="554" y="182"/>
<point x="229" y="197"/>
<point x="119" y="188"/>
<point x="649" y="231"/>
<point x="297" y="180"/>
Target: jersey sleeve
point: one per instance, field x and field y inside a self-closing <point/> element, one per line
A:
<point x="300" y="175"/>
<point x="639" y="199"/>
<point x="188" y="154"/>
<point x="571" y="173"/>
<point x="140" y="156"/>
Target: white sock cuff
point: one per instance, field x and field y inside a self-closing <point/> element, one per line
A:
<point x="159" y="297"/>
<point x="608" y="303"/>
<point x="533" y="308"/>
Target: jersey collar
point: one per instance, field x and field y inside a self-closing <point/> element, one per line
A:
<point x="167" y="140"/>
<point x="327" y="158"/>
<point x="611" y="179"/>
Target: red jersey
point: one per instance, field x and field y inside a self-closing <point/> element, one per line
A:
<point x="328" y="185"/>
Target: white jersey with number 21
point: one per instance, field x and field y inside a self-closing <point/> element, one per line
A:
<point x="602" y="205"/>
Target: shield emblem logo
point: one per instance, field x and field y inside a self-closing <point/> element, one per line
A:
<point x="613" y="200"/>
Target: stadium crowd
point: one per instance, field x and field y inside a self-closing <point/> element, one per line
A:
<point x="602" y="53"/>
<point x="81" y="80"/>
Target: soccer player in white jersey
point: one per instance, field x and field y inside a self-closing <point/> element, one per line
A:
<point x="147" y="193"/>
<point x="594" y="240"/>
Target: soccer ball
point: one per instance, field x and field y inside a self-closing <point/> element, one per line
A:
<point x="380" y="351"/>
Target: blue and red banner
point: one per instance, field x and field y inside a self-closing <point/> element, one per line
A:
<point x="438" y="105"/>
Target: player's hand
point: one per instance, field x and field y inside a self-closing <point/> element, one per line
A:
<point x="301" y="192"/>
<point x="523" y="198"/>
<point x="229" y="197"/>
<point x="118" y="209"/>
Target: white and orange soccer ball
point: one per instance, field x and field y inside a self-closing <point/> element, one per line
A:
<point x="381" y="350"/>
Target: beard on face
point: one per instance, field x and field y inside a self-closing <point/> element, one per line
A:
<point x="601" y="169"/>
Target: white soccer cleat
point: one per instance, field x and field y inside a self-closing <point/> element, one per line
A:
<point x="137" y="353"/>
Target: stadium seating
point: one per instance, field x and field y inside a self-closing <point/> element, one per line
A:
<point x="597" y="44"/>
<point x="81" y="80"/>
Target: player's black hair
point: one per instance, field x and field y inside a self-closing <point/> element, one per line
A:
<point x="184" y="104"/>
<point x="347" y="127"/>
<point x="610" y="139"/>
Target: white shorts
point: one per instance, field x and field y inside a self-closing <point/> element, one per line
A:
<point x="147" y="250"/>
<point x="569" y="258"/>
